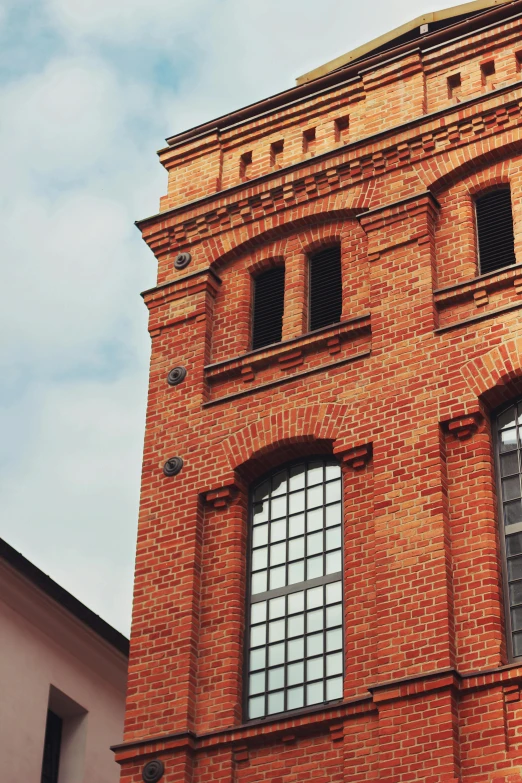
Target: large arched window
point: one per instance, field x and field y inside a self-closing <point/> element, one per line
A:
<point x="509" y="444"/>
<point x="295" y="619"/>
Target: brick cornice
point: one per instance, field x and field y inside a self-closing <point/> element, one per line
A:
<point x="473" y="120"/>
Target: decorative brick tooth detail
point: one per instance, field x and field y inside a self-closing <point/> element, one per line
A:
<point x="480" y="297"/>
<point x="220" y="498"/>
<point x="288" y="738"/>
<point x="292" y="359"/>
<point x="247" y="373"/>
<point x="334" y="345"/>
<point x="356" y="457"/>
<point x="517" y="282"/>
<point x="240" y="753"/>
<point x="337" y="732"/>
<point x="511" y="693"/>
<point x="464" y="427"/>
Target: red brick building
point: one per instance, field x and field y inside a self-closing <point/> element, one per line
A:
<point x="329" y="550"/>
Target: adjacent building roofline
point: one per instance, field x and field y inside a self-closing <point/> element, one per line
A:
<point x="62" y="597"/>
<point x="388" y="39"/>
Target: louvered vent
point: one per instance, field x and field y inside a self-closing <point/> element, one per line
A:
<point x="269" y="299"/>
<point x="495" y="230"/>
<point x="326" y="299"/>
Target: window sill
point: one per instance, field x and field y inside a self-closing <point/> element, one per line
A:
<point x="477" y="297"/>
<point x="275" y="363"/>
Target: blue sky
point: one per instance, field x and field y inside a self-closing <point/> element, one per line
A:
<point x="89" y="89"/>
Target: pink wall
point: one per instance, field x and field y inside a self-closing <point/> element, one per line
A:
<point x="42" y="645"/>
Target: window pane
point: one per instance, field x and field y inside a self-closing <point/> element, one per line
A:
<point x="296" y="549"/>
<point x="515" y="593"/>
<point x="277" y="554"/>
<point x="296" y="572"/>
<point x="296" y="535"/>
<point x="515" y="568"/>
<point x="276" y="678"/>
<point x="295" y="673"/>
<point x="295" y="698"/>
<point x="512" y="513"/>
<point x="277" y="607"/>
<point x="508" y="418"/>
<point x="278" y="507"/>
<point x="333" y="592"/>
<point x="314" y="644"/>
<point x="314" y="520"/>
<point x="511" y="488"/>
<point x="296" y="602"/>
<point x="258" y="659"/>
<point x="256" y="707"/>
<point x="334" y="688"/>
<point x="257" y="683"/>
<point x="297" y="477"/>
<point x="334" y="664"/>
<point x="278" y="531"/>
<point x="296" y="625"/>
<point x="259" y="559"/>
<point x="333" y="515"/>
<point x="333" y="492"/>
<point x="517" y="644"/>
<point x="333" y="562"/>
<point x="296" y="503"/>
<point x="296" y="525"/>
<point x="277" y="577"/>
<point x="514" y="544"/>
<point x="314" y="496"/>
<point x="314" y="620"/>
<point x="279" y="486"/>
<point x="509" y="464"/>
<point x="258" y="614"/>
<point x="260" y="536"/>
<point x="276" y="654"/>
<point x="259" y="582"/>
<point x="276" y="702"/>
<point x="508" y="440"/>
<point x="314" y="693"/>
<point x="276" y="630"/>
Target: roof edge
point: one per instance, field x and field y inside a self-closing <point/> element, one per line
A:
<point x="433" y="16"/>
<point x="62" y="597"/>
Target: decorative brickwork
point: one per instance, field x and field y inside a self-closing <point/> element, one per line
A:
<point x="384" y="158"/>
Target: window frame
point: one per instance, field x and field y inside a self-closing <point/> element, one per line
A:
<point x="508" y="629"/>
<point x="288" y="589"/>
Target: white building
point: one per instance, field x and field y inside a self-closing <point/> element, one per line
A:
<point x="63" y="673"/>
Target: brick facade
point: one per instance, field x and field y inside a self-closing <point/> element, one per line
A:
<point x="401" y="391"/>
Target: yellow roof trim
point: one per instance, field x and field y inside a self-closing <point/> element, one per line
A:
<point x="434" y="16"/>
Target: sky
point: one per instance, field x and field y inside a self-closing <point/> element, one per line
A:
<point x="89" y="89"/>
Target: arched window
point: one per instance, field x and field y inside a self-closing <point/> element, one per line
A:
<point x="509" y="444"/>
<point x="326" y="288"/>
<point x="295" y="619"/>
<point x="495" y="230"/>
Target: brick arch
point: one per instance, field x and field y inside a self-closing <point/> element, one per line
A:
<point x="443" y="173"/>
<point x="278" y="431"/>
<point x="221" y="256"/>
<point x="496" y="376"/>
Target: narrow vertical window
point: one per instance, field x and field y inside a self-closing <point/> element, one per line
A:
<point x="509" y="443"/>
<point x="295" y="623"/>
<point x="269" y="298"/>
<point x="326" y="295"/>
<point x="52" y="745"/>
<point x="496" y="241"/>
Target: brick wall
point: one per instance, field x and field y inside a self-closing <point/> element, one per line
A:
<point x="425" y="351"/>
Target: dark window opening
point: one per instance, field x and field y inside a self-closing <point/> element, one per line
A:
<point x="245" y="165"/>
<point x="269" y="300"/>
<point x="496" y="241"/>
<point x="326" y="295"/>
<point x="294" y="646"/>
<point x="454" y="86"/>
<point x="276" y="154"/>
<point x="52" y="745"/>
<point x="309" y="140"/>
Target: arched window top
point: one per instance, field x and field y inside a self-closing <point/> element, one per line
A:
<point x="295" y="636"/>
<point x="495" y="229"/>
